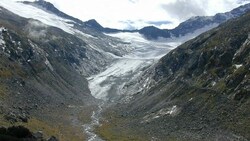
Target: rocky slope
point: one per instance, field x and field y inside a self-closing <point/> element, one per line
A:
<point x="43" y="70"/>
<point x="101" y="48"/>
<point x="39" y="79"/>
<point x="198" y="91"/>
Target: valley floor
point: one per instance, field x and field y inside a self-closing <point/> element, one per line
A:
<point x="108" y="85"/>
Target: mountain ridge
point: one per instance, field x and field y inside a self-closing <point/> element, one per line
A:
<point x="151" y="32"/>
<point x="43" y="72"/>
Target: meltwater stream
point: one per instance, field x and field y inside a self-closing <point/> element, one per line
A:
<point x="107" y="85"/>
<point x="89" y="128"/>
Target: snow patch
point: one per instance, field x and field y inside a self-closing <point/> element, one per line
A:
<point x="3" y="29"/>
<point x="238" y="66"/>
<point x="213" y="83"/>
<point x="47" y="63"/>
<point x="2" y="42"/>
<point x="36" y="48"/>
<point x="172" y="111"/>
<point x="247" y="42"/>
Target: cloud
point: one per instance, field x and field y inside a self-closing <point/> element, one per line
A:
<point x="133" y="1"/>
<point x="158" y="23"/>
<point x="184" y="9"/>
<point x="120" y="13"/>
<point x="243" y="1"/>
<point x="36" y="29"/>
<point x="116" y="14"/>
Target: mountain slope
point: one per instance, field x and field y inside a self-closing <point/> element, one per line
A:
<point x="45" y="60"/>
<point x="99" y="42"/>
<point x="199" y="22"/>
<point x="203" y="23"/>
<point x="198" y="91"/>
<point x="39" y="79"/>
<point x="44" y="5"/>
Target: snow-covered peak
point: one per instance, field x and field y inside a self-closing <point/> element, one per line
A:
<point x="28" y="11"/>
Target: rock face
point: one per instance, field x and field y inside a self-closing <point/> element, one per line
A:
<point x="198" y="91"/>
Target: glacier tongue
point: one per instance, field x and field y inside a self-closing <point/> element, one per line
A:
<point x="108" y="85"/>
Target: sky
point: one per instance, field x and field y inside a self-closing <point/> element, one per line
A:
<point x="135" y="14"/>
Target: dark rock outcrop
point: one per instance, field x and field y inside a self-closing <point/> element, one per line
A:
<point x="20" y="133"/>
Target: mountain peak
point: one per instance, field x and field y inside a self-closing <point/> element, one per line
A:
<point x="94" y="24"/>
<point x="47" y="6"/>
<point x="43" y="4"/>
<point x="152" y="32"/>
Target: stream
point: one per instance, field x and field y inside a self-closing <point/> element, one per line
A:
<point x="89" y="128"/>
